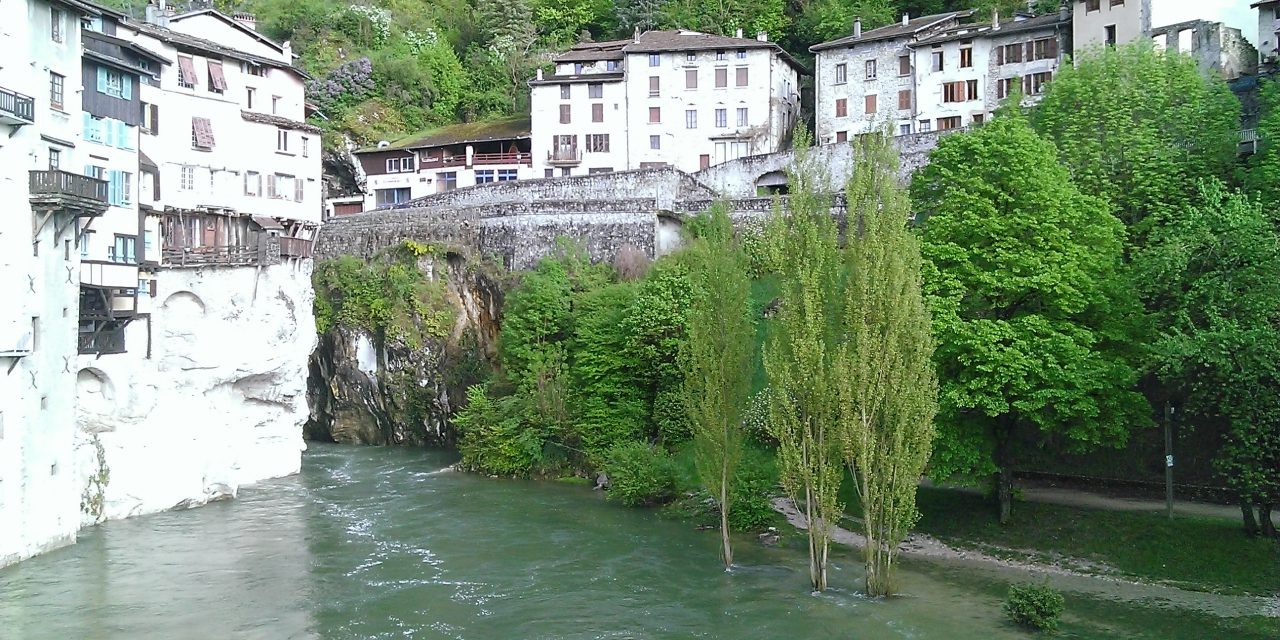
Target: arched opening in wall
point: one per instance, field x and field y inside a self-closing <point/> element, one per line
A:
<point x="773" y="183"/>
<point x="184" y="304"/>
<point x="94" y="392"/>
<point x="669" y="234"/>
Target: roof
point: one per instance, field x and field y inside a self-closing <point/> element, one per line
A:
<point x="127" y="44"/>
<point x="146" y="162"/>
<point x="279" y="121"/>
<point x="610" y="76"/>
<point x="181" y="40"/>
<point x="231" y="21"/>
<point x="1010" y="26"/>
<point x="1262" y="4"/>
<point x="87" y="8"/>
<point x="895" y="30"/>
<point x="685" y="40"/>
<point x="592" y="51"/>
<point x="464" y="133"/>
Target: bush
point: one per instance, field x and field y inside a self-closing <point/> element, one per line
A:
<point x="639" y="474"/>
<point x="1037" y="606"/>
<point x="754" y="484"/>
<point x="494" y="438"/>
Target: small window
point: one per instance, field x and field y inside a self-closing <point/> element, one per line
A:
<point x="904" y="99"/>
<point x="252" y="183"/>
<point x="248" y="97"/>
<point x="56" y="20"/>
<point x="971" y="89"/>
<point x="611" y="65"/>
<point x="691" y="119"/>
<point x="507" y="175"/>
<point x="598" y="143"/>
<point x="125" y="249"/>
<point x="566" y="114"/>
<point x="842" y="107"/>
<point x="904" y="65"/>
<point x="577" y="68"/>
<point x="966" y="57"/>
<point x="186" y="72"/>
<point x="282" y="140"/>
<point x="871" y="69"/>
<point x="655" y="59"/>
<point x="564" y="92"/>
<point x="57" y="84"/>
<point x="655" y="142"/>
<point x="937" y="61"/>
<point x="201" y="134"/>
<point x="597" y="112"/>
<point x="275" y="104"/>
<point x="655" y="115"/>
<point x="842" y="136"/>
<point x="691" y="79"/>
<point x="447" y="181"/>
<point x="690" y="57"/>
<point x="1110" y="31"/>
<point x="742" y="116"/>
<point x="842" y="73"/>
<point x="720" y="55"/>
<point x="722" y="118"/>
<point x="306" y="143"/>
<point x="55" y="159"/>
<point x="384" y="197"/>
<point x="484" y="176"/>
<point x="869" y="106"/>
<point x="742" y="54"/>
<point x="654" y="83"/>
<point x="925" y="127"/>
<point x="946" y="124"/>
<point x="1092" y="5"/>
<point x="904" y="129"/>
<point x="722" y="78"/>
<point x="595" y="90"/>
<point x="740" y="77"/>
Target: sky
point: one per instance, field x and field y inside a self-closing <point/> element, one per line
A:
<point x="1233" y="13"/>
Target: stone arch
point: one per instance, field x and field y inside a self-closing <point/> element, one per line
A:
<point x="669" y="234"/>
<point x="184" y="303"/>
<point x="95" y="392"/>
<point x="772" y="182"/>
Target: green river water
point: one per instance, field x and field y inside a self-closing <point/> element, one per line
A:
<point x="379" y="543"/>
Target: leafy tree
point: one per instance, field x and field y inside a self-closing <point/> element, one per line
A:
<point x="1020" y="269"/>
<point x="610" y="405"/>
<point x="799" y="356"/>
<point x="888" y="387"/>
<point x="1263" y="173"/>
<point x="725" y="17"/>
<point x="717" y="361"/>
<point x="1213" y="270"/>
<point x="823" y="20"/>
<point x="1139" y="128"/>
<point x="637" y="14"/>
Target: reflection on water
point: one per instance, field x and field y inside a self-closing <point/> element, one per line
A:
<point x="373" y="543"/>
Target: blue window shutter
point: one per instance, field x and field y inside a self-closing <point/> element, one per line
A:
<point x="88" y="170"/>
<point x="88" y="126"/>
<point x="102" y="79"/>
<point x="126" y="85"/>
<point x="110" y="135"/>
<point x="128" y="135"/>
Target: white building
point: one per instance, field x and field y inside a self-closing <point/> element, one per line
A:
<point x="444" y="159"/>
<point x="1096" y="23"/>
<point x="664" y="98"/>
<point x="1268" y="29"/>
<point x="867" y="80"/>
<point x="47" y="198"/>
<point x="963" y="73"/>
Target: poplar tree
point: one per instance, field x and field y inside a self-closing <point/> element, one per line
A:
<point x="888" y="388"/>
<point x="717" y="361"/>
<point x="799" y="355"/>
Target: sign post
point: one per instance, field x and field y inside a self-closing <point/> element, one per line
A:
<point x="1168" y="460"/>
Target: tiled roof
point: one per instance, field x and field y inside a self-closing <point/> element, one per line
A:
<point x="279" y="121"/>
<point x="682" y="40"/>
<point x="464" y="133"/>
<point x="1012" y="25"/>
<point x="181" y="40"/>
<point x="895" y="30"/>
<point x="591" y="51"/>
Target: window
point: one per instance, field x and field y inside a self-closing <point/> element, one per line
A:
<point x="978" y="118"/>
<point x="704" y="160"/>
<point x="720" y="55"/>
<point x="690" y="57"/>
<point x="596" y="170"/>
<point x="484" y="176"/>
<point x="1033" y="84"/>
<point x="1005" y="87"/>
<point x="722" y="78"/>
<point x="248" y="97"/>
<point x="953" y="91"/>
<point x="691" y="79"/>
<point x="842" y="73"/>
<point x="655" y="115"/>
<point x="252" y="183"/>
<point x="506" y="175"/>
<point x="187" y="181"/>
<point x="948" y="123"/>
<point x="691" y="119"/>
<point x="56" y="85"/>
<point x="925" y="127"/>
<point x="598" y="143"/>
<point x="904" y="129"/>
<point x="740" y="77"/>
<point x="1046" y="49"/>
<point x="904" y="99"/>
<point x="597" y="112"/>
<point x="1110" y="31"/>
<point x="742" y="54"/>
<point x="655" y="142"/>
<point x="275" y="104"/>
<point x="384" y="197"/>
<point x="55" y="24"/>
<point x="565" y="115"/>
<point x="870" y="104"/>
<point x="217" y="81"/>
<point x="966" y="57"/>
<point x="548" y="173"/>
<point x="742" y="116"/>
<point x="842" y="136"/>
<point x="150" y="118"/>
<point x="971" y="89"/>
<point x="125" y="249"/>
<point x="282" y="141"/>
<point x="186" y="72"/>
<point x="201" y="134"/>
<point x="1117" y="3"/>
<point x="306" y="143"/>
<point x="595" y="90"/>
<point x="113" y="83"/>
<point x="871" y="69"/>
<point x="722" y="118"/>
<point x="611" y="65"/>
<point x="1092" y="5"/>
<point x="842" y="107"/>
<point x="577" y="68"/>
<point x="400" y="165"/>
<point x="55" y="159"/>
<point x="904" y="65"/>
<point x="446" y="181"/>
<point x="564" y="92"/>
<point x="937" y="61"/>
<point x="654" y="59"/>
<point x="254" y="69"/>
<point x="1009" y="53"/>
<point x="120" y="188"/>
<point x="654" y="86"/>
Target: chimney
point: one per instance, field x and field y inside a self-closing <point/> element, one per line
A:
<point x="857" y="27"/>
<point x="246" y="19"/>
<point x="905" y="19"/>
<point x="738" y="33"/>
<point x="286" y="50"/>
<point x="635" y="37"/>
<point x="762" y="36"/>
<point x="539" y="74"/>
<point x="995" y="19"/>
<point x="156" y="14"/>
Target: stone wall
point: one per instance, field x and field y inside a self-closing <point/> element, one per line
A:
<point x="663" y="185"/>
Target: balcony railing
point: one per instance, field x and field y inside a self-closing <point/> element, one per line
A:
<point x="564" y="157"/>
<point x="62" y="183"/>
<point x="295" y="248"/>
<point x="502" y="158"/>
<point x="16" y="108"/>
<point x="1249" y="141"/>
<point x="211" y="256"/>
<point x="103" y="341"/>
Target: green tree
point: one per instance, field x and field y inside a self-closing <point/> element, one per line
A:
<point x="717" y="361"/>
<point x="799" y="356"/>
<point x="1139" y="127"/>
<point x="1213" y="270"/>
<point x="1263" y="170"/>
<point x="888" y="386"/>
<point x="725" y="17"/>
<point x="1020" y="269"/>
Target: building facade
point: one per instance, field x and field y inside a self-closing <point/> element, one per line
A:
<point x="1268" y="30"/>
<point x="683" y="99"/>
<point x="1216" y="48"/>
<point x="444" y="159"/>
<point x="1095" y="23"/>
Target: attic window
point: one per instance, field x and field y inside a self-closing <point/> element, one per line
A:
<point x="253" y="69"/>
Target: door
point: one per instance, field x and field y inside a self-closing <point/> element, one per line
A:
<point x="704" y="161"/>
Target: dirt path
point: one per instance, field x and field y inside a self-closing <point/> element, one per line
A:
<point x="1072" y="579"/>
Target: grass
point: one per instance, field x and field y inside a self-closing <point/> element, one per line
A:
<point x="1191" y="553"/>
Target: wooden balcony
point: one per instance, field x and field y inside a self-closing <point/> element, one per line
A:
<point x="1248" y="141"/>
<point x="16" y="109"/>
<point x="295" y="248"/>
<point x="569" y="157"/>
<point x="502" y="158"/>
<point x="212" y="256"/>
<point x="54" y="190"/>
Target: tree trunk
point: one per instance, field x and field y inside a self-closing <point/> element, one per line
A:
<point x="1264" y="516"/>
<point x="1250" y="523"/>
<point x="1004" y="464"/>
<point x="724" y="518"/>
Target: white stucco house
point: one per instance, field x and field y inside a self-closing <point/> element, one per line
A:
<point x="1096" y="23"/>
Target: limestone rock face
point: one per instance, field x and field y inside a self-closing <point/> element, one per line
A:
<point x="367" y="388"/>
<point x="210" y="396"/>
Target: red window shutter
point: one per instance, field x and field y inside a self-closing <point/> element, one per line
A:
<point x="187" y="69"/>
<point x="215" y="75"/>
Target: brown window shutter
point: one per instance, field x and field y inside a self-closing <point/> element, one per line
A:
<point x="155" y="118"/>
<point x="564" y="114"/>
<point x="870" y="104"/>
<point x="1030" y="52"/>
<point x="691" y="79"/>
<point x="215" y="76"/>
<point x="999" y="55"/>
<point x="904" y="65"/>
<point x="742" y="77"/>
<point x="1051" y="48"/>
<point x="722" y="78"/>
<point x="904" y="99"/>
<point x="597" y="112"/>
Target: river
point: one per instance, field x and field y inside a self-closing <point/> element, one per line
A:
<point x="381" y="543"/>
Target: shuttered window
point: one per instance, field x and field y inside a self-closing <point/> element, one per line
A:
<point x="870" y="106"/>
<point x="597" y="112"/>
<point x="201" y="133"/>
<point x="217" y="81"/>
<point x="186" y="72"/>
<point x="904" y="99"/>
<point x="722" y="78"/>
<point x="741" y="77"/>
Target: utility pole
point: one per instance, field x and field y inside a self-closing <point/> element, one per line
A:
<point x="1168" y="459"/>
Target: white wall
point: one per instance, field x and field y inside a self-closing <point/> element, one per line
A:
<point x="545" y="104"/>
<point x="885" y="86"/>
<point x="213" y="28"/>
<point x="1132" y="22"/>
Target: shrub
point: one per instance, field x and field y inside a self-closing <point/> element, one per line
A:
<point x="1037" y="606"/>
<point x="630" y="263"/>
<point x="671" y="418"/>
<point x="754" y="484"/>
<point x="639" y="474"/>
<point x="494" y="438"/>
